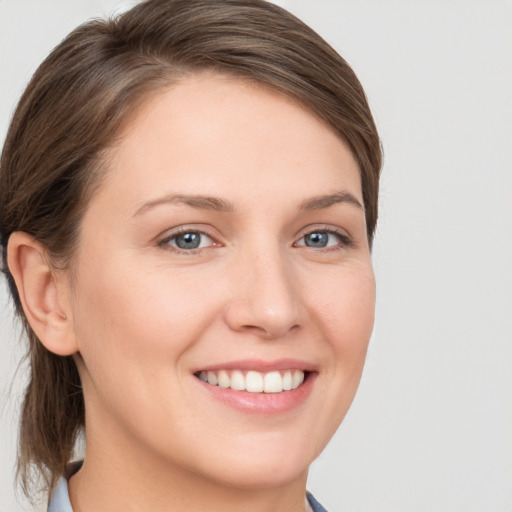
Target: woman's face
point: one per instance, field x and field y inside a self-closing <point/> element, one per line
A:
<point x="227" y="243"/>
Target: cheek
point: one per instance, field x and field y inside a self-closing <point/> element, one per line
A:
<point x="345" y="307"/>
<point x="125" y="315"/>
<point x="133" y="329"/>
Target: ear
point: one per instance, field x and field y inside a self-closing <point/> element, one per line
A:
<point x="44" y="293"/>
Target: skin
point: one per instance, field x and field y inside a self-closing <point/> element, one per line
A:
<point x="141" y="316"/>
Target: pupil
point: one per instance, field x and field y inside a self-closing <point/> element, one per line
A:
<point x="316" y="240"/>
<point x="188" y="240"/>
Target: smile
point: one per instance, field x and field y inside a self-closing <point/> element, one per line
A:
<point x="253" y="381"/>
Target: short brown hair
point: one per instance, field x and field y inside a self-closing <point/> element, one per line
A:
<point x="73" y="109"/>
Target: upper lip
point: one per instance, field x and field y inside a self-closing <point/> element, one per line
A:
<point x="260" y="365"/>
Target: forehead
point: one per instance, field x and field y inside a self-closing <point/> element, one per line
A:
<point x="215" y="133"/>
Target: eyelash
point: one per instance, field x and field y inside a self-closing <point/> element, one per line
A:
<point x="344" y="241"/>
<point x="165" y="242"/>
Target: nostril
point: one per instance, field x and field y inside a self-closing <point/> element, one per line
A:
<point x="270" y="331"/>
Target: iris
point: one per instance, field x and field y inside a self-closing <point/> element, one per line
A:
<point x="317" y="239"/>
<point x="190" y="240"/>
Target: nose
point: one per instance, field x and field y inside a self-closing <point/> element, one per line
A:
<point x="264" y="297"/>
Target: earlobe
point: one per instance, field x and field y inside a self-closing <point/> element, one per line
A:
<point x="43" y="292"/>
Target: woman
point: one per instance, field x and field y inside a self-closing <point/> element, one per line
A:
<point x="188" y="200"/>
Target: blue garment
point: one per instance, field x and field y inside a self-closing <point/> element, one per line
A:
<point x="314" y="504"/>
<point x="60" y="499"/>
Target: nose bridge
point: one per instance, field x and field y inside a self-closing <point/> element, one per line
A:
<point x="266" y="299"/>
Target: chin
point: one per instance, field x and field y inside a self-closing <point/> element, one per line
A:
<point x="253" y="464"/>
<point x="251" y="475"/>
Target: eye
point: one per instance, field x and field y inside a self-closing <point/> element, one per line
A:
<point x="188" y="240"/>
<point x="322" y="239"/>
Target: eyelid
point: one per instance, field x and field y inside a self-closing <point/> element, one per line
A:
<point x="163" y="240"/>
<point x="345" y="239"/>
<point x="167" y="236"/>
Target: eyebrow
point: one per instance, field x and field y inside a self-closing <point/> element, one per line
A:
<point x="195" y="201"/>
<point x="320" y="202"/>
<point x="221" y="205"/>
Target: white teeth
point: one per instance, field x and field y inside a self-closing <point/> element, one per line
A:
<point x="212" y="378"/>
<point x="287" y="381"/>
<point x="223" y="378"/>
<point x="237" y="381"/>
<point x="297" y="379"/>
<point x="254" y="382"/>
<point x="273" y="382"/>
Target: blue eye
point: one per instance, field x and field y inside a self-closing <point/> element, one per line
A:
<point x="323" y="239"/>
<point x="188" y="240"/>
<point x="316" y="239"/>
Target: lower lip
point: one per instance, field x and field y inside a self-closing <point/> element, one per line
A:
<point x="262" y="403"/>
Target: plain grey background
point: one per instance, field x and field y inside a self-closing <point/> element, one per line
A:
<point x="431" y="427"/>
